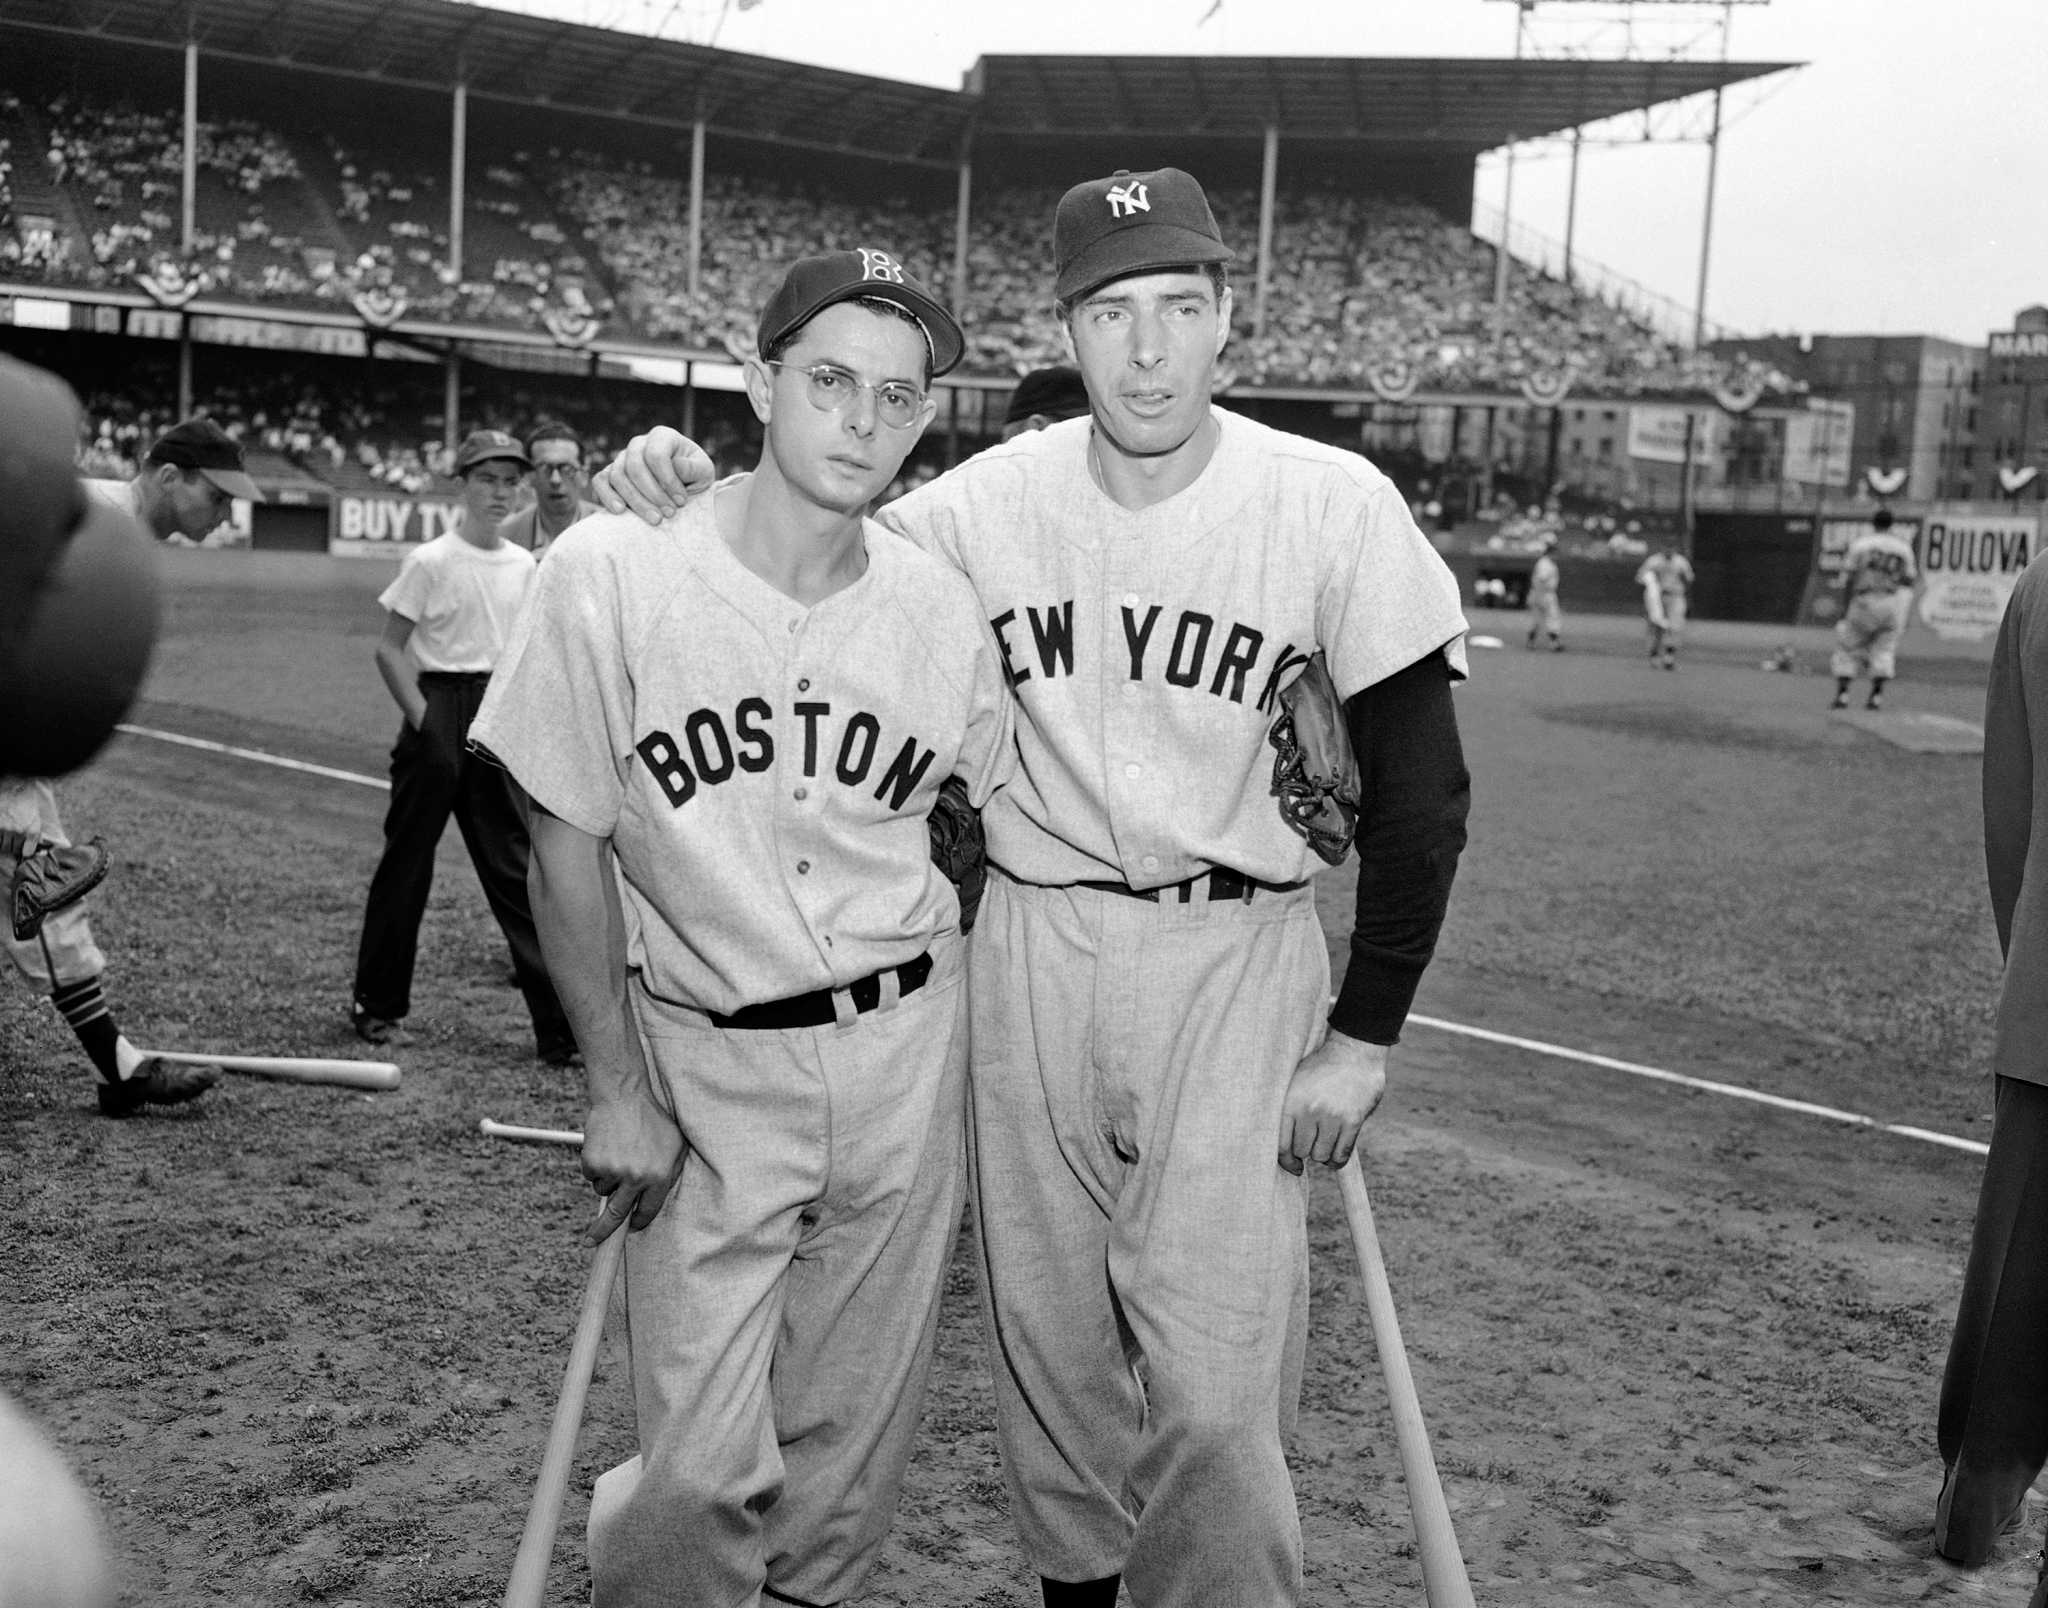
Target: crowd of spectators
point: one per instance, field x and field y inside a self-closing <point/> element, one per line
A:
<point x="1363" y="291"/>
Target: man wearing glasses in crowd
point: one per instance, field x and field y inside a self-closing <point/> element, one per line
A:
<point x="732" y="731"/>
<point x="558" y="482"/>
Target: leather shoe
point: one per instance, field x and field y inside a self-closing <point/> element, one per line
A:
<point x="156" y="1082"/>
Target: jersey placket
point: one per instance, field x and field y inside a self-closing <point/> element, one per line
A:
<point x="799" y="797"/>
<point x="1129" y="739"/>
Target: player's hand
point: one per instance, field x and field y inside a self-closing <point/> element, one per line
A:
<point x="632" y="1154"/>
<point x="1335" y="1088"/>
<point x="654" y="475"/>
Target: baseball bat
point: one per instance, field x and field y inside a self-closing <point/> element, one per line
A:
<point x="529" y="1136"/>
<point x="1444" y="1580"/>
<point x="529" y="1581"/>
<point x="294" y="1068"/>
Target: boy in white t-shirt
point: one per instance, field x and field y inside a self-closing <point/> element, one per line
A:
<point x="449" y="615"/>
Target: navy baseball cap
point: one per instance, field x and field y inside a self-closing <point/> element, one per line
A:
<point x="203" y="445"/>
<point x="815" y="283"/>
<point x="480" y="446"/>
<point x="1132" y="223"/>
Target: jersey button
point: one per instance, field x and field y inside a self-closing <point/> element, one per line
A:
<point x="1151" y="862"/>
<point x="1134" y="771"/>
<point x="803" y="867"/>
<point x="804" y="685"/>
<point x="803" y="793"/>
<point x="1130" y="600"/>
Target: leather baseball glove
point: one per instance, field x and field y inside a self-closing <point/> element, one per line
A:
<point x="47" y="877"/>
<point x="958" y="847"/>
<point x="1315" y="772"/>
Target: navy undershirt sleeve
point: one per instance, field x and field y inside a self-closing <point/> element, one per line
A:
<point x="1415" y="794"/>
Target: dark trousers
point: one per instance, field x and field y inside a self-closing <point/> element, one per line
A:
<point x="433" y="776"/>
<point x="1993" y="1424"/>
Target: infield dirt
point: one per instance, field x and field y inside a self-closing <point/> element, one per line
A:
<point x="1673" y="1349"/>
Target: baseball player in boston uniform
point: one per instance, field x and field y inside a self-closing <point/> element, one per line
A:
<point x="750" y="715"/>
<point x="1152" y="1066"/>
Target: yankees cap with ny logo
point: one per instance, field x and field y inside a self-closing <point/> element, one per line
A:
<point x="1132" y="223"/>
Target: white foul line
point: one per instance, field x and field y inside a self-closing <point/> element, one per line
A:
<point x="1734" y="1091"/>
<point x="257" y="755"/>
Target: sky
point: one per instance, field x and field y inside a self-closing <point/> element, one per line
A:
<point x="1895" y="184"/>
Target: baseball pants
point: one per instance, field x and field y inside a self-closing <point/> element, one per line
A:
<point x="1867" y="635"/>
<point x="1143" y="1256"/>
<point x="1545" y="615"/>
<point x="64" y="951"/>
<point x="1992" y="1428"/>
<point x="433" y="776"/>
<point x="782" y="1308"/>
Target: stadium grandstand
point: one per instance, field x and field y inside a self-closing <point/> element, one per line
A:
<point x="350" y="229"/>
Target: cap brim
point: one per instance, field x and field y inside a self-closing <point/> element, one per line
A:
<point x="948" y="345"/>
<point x="1137" y="251"/>
<point x="235" y="484"/>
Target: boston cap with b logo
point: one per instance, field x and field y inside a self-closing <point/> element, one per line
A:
<point x="815" y="283"/>
<point x="203" y="445"/>
<point x="1132" y="223"/>
<point x="480" y="446"/>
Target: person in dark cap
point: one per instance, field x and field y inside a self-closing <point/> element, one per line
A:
<point x="1045" y="396"/>
<point x="55" y="952"/>
<point x="733" y="736"/>
<point x="447" y="619"/>
<point x="1155" y="1056"/>
<point x="187" y="485"/>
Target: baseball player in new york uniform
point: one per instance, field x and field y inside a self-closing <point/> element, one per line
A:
<point x="1665" y="577"/>
<point x="750" y="714"/>
<point x="1878" y="573"/>
<point x="1152" y="1065"/>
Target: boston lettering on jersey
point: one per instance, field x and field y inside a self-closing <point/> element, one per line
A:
<point x="1179" y="653"/>
<point x="708" y="752"/>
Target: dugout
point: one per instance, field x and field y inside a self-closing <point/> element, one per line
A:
<point x="1750" y="566"/>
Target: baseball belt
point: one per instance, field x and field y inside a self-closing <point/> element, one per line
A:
<point x="1220" y="883"/>
<point x="815" y="1009"/>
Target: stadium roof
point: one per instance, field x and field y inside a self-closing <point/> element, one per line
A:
<point x="1453" y="104"/>
<point x="1465" y="104"/>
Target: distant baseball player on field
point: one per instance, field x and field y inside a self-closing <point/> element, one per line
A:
<point x="1154" y="1058"/>
<point x="733" y="732"/>
<point x="1666" y="578"/>
<point x="447" y="619"/>
<point x="1545" y="615"/>
<point x="1878" y="573"/>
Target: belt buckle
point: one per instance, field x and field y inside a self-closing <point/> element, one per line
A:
<point x="1225" y="883"/>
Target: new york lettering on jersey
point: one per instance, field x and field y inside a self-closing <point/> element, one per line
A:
<point x="1164" y="642"/>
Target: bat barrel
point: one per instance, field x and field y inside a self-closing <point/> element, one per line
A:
<point x="373" y="1075"/>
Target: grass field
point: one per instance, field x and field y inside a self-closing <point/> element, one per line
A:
<point x="1673" y="1348"/>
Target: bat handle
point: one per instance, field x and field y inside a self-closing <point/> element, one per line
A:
<point x="1436" y="1543"/>
<point x="529" y="1579"/>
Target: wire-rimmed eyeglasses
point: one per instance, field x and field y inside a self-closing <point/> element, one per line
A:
<point x="832" y="390"/>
